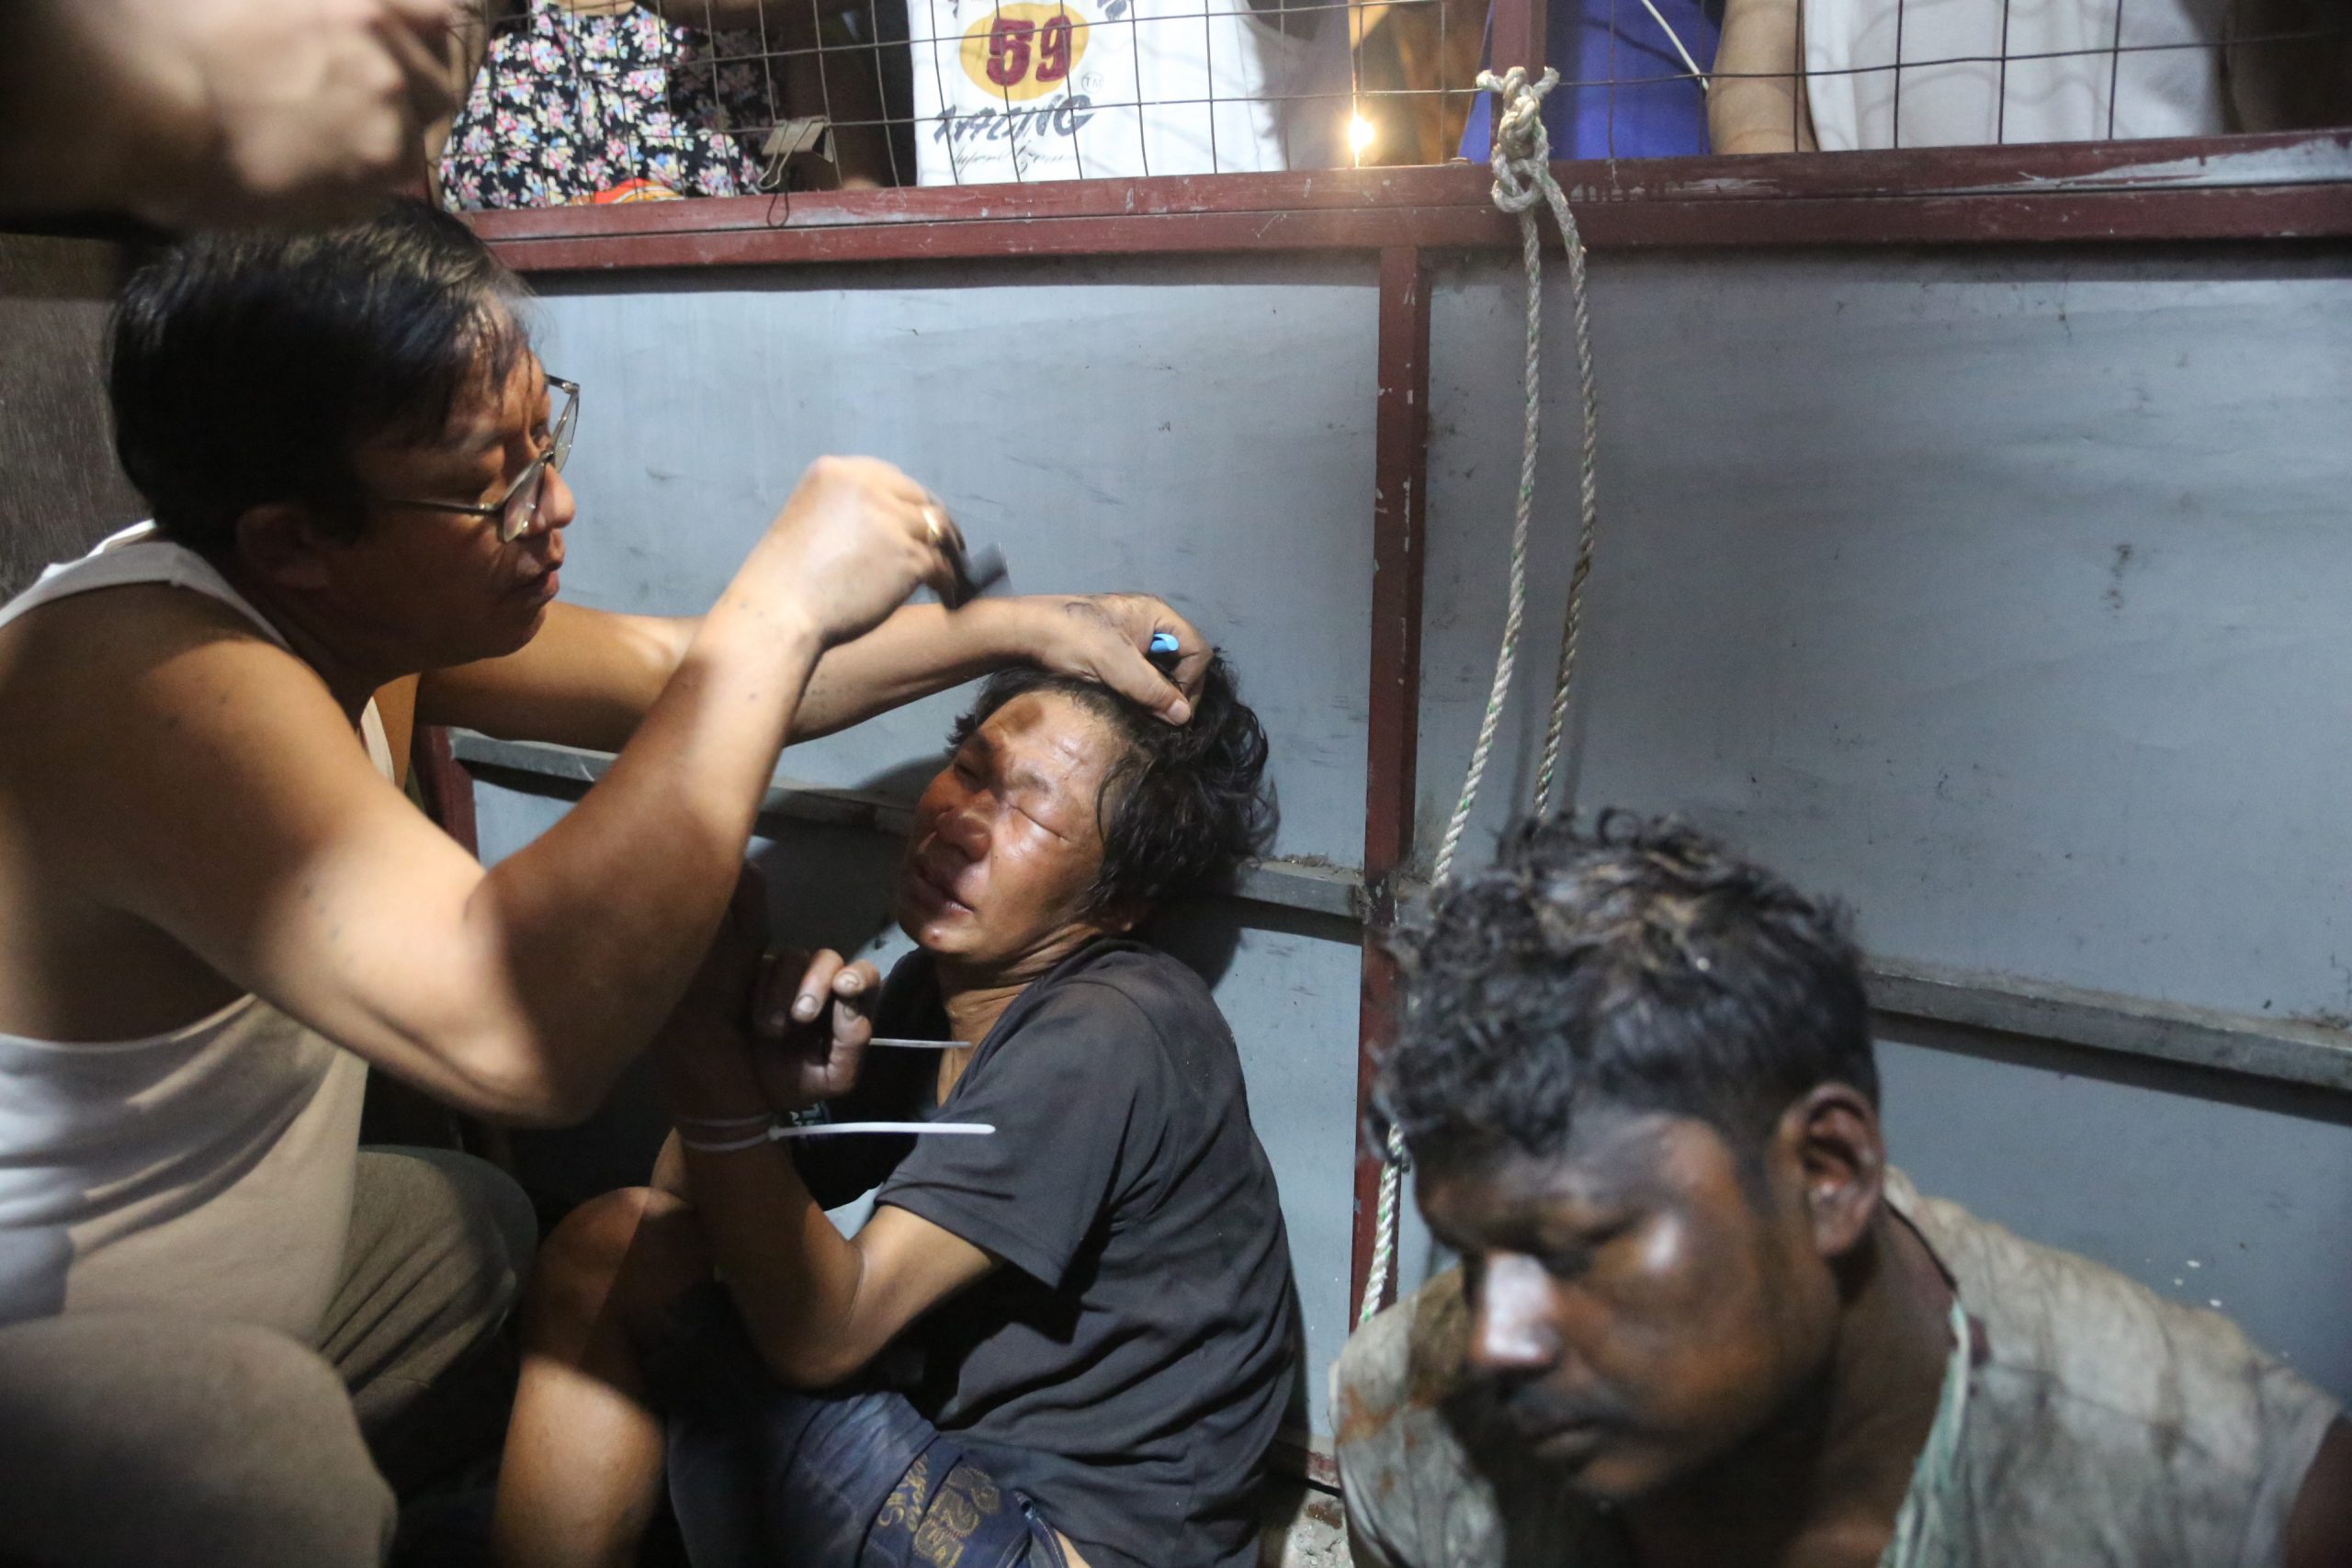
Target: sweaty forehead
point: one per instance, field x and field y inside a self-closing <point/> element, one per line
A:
<point x="1047" y="741"/>
<point x="485" y="415"/>
<point x="488" y="414"/>
<point x="1615" y="1158"/>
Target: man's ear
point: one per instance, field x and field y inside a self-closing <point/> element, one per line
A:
<point x="1833" y="1136"/>
<point x="280" y="543"/>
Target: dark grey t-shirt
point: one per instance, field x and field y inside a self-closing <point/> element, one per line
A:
<point x="1128" y="1367"/>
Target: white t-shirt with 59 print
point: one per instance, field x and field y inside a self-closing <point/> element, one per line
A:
<point x="1021" y="90"/>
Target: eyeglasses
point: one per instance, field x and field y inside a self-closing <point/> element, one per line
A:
<point x="519" y="508"/>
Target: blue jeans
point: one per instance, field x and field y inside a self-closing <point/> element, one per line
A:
<point x="761" y="1474"/>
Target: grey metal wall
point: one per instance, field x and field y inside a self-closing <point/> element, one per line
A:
<point x="1998" y="593"/>
<point x="1203" y="431"/>
<point x="2004" y="595"/>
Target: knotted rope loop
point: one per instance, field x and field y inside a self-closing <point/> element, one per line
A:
<point x="1522" y="152"/>
<point x="1522" y="164"/>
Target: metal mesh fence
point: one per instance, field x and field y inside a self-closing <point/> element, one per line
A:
<point x="602" y="100"/>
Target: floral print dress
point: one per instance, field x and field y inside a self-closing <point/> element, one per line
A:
<point x="572" y="107"/>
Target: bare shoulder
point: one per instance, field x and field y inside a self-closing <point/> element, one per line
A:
<point x="127" y="695"/>
<point x="98" y="699"/>
<point x="90" y="660"/>
<point x="58" y="658"/>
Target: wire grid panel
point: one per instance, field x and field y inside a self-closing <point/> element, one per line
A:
<point x="1011" y="90"/>
<point x="1847" y="74"/>
<point x="600" y="101"/>
<point x="597" y="100"/>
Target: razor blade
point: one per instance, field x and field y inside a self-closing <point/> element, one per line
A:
<point x="976" y="572"/>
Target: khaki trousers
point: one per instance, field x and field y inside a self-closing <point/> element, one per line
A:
<point x="141" y="1437"/>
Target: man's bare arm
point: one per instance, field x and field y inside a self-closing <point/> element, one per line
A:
<point x="923" y="648"/>
<point x="1755" y="97"/>
<point x="209" y="784"/>
<point x="589" y="678"/>
<point x="223" y="111"/>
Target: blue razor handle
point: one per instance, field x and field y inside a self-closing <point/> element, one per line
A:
<point x="1163" y="652"/>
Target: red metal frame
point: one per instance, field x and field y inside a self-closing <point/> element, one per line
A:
<point x="2290" y="185"/>
<point x="1515" y="36"/>
<point x="447" y="786"/>
<point x="1392" y="741"/>
<point x="447" y="790"/>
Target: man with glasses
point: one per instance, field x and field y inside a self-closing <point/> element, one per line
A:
<point x="519" y="508"/>
<point x="221" y="910"/>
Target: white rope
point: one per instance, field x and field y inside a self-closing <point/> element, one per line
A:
<point x="1522" y="200"/>
<point x="1521" y="159"/>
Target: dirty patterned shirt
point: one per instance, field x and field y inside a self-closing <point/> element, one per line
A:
<point x="2099" y="1424"/>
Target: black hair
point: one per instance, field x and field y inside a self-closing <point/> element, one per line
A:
<point x="1187" y="803"/>
<point x="248" y="368"/>
<point x="1643" y="964"/>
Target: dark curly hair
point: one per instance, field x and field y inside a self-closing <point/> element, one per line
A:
<point x="1642" y="963"/>
<point x="247" y="367"/>
<point x="1187" y="804"/>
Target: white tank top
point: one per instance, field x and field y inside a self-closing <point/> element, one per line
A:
<point x="204" y="1171"/>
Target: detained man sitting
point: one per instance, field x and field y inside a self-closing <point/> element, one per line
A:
<point x="1067" y="1338"/>
<point x="1700" y="1319"/>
